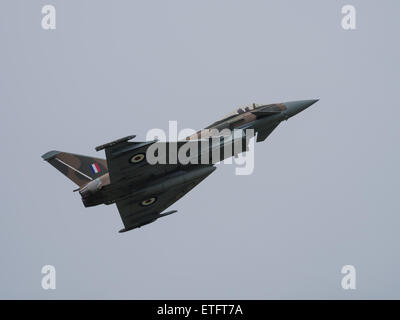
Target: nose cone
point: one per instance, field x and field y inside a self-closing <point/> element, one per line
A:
<point x="294" y="107"/>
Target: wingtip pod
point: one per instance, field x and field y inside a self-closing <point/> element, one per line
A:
<point x="147" y="222"/>
<point x="167" y="213"/>
<point x="115" y="142"/>
<point x="50" y="155"/>
<point x="125" y="230"/>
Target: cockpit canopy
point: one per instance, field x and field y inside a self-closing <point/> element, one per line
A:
<point x="235" y="113"/>
<point x="242" y="110"/>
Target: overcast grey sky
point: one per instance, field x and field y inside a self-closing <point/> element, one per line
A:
<point x="325" y="190"/>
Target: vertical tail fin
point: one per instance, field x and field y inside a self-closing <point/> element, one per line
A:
<point x="80" y="169"/>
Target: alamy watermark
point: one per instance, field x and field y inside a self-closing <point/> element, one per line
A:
<point x="49" y="17"/>
<point x="349" y="17"/>
<point x="349" y="280"/>
<point x="209" y="146"/>
<point x="49" y="278"/>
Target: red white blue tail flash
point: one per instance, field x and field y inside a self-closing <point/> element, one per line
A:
<point x="95" y="168"/>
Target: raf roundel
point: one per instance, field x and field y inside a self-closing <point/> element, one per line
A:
<point x="148" y="201"/>
<point x="137" y="158"/>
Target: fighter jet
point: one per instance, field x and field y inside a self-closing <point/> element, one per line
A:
<point x="142" y="190"/>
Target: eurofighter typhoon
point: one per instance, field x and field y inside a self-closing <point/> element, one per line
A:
<point x="143" y="178"/>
